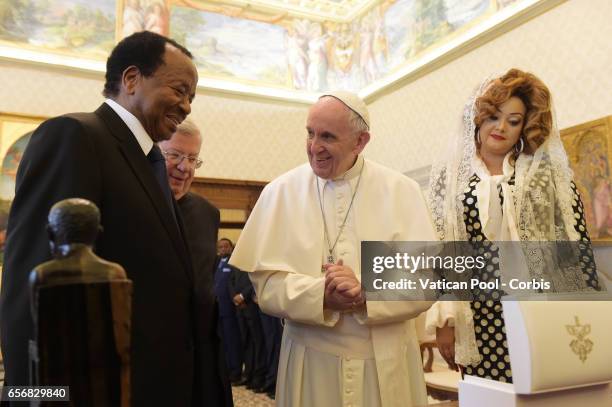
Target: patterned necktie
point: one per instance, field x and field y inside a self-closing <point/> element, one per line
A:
<point x="156" y="159"/>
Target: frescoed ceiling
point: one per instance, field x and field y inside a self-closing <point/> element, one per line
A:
<point x="292" y="49"/>
<point x="332" y="10"/>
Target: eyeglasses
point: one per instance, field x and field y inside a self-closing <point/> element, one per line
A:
<point x="176" y="158"/>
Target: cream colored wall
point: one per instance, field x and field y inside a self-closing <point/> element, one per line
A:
<point x="568" y="47"/>
<point x="256" y="139"/>
<point x="249" y="138"/>
<point x="244" y="138"/>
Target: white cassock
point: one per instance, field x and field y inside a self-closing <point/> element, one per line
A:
<point x="367" y="358"/>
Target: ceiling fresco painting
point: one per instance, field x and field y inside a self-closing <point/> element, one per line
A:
<point x="231" y="47"/>
<point x="297" y="46"/>
<point x="330" y="10"/>
<point x="139" y="15"/>
<point x="66" y="26"/>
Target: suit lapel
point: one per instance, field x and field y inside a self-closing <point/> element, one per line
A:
<point x="138" y="162"/>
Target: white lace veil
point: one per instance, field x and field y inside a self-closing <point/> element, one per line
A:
<point x="543" y="200"/>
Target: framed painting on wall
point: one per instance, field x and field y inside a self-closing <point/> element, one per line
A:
<point x="15" y="132"/>
<point x="589" y="148"/>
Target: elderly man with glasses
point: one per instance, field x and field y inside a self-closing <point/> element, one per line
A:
<point x="181" y="154"/>
<point x="201" y="224"/>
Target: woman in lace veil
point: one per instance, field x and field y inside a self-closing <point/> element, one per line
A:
<point x="507" y="179"/>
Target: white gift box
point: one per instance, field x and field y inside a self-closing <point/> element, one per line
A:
<point x="560" y="353"/>
<point x="479" y="392"/>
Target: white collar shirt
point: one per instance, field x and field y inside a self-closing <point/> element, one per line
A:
<point x="144" y="140"/>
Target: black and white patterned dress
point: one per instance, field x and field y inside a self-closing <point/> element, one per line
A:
<point x="490" y="330"/>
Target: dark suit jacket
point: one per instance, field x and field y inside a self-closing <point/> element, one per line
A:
<point x="201" y="221"/>
<point x="222" y="289"/>
<point x="95" y="156"/>
<point x="241" y="284"/>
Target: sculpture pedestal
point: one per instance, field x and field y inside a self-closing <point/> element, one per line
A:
<point x="479" y="392"/>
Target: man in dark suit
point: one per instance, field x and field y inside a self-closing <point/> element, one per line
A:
<point x="201" y="220"/>
<point x="273" y="335"/>
<point x="242" y="293"/>
<point x="228" y="319"/>
<point x="109" y="157"/>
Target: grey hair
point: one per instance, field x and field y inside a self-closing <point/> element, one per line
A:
<point x="188" y="128"/>
<point x="357" y="122"/>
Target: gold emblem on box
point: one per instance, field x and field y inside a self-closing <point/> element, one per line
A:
<point x="582" y="345"/>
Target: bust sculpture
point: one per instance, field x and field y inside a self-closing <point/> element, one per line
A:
<point x="81" y="309"/>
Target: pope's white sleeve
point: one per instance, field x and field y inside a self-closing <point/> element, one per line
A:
<point x="384" y="312"/>
<point x="441" y="313"/>
<point x="296" y="297"/>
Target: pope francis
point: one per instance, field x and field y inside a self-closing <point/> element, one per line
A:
<point x="301" y="244"/>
